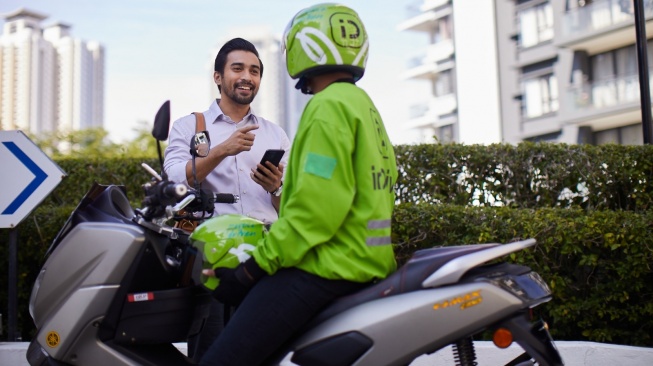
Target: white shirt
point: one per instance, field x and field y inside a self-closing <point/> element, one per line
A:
<point x="232" y="175"/>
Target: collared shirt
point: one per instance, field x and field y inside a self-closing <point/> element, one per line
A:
<point x="232" y="175"/>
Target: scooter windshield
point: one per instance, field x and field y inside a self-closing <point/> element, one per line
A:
<point x="102" y="203"/>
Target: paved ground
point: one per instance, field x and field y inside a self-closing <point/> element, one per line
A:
<point x="573" y="354"/>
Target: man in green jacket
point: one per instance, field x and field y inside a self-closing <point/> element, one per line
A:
<point x="333" y="235"/>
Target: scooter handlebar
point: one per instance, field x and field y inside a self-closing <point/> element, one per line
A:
<point x="203" y="200"/>
<point x="226" y="198"/>
<point x="160" y="195"/>
<point x="174" y="190"/>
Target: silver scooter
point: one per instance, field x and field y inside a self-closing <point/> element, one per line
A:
<point x="120" y="286"/>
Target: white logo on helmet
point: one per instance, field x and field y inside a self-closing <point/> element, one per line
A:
<point x="313" y="49"/>
<point x="242" y="252"/>
<point x="361" y="53"/>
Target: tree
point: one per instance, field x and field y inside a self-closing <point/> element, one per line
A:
<point x="143" y="144"/>
<point x="95" y="143"/>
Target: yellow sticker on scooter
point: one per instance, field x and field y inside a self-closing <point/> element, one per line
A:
<point x="463" y="302"/>
<point x="52" y="339"/>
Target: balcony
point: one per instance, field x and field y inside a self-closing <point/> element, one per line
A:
<point x="440" y="51"/>
<point x="604" y="94"/>
<point x="606" y="104"/>
<point x="432" y="112"/>
<point x="425" y="19"/>
<point x="437" y="58"/>
<point x="601" y="25"/>
<point x="433" y="4"/>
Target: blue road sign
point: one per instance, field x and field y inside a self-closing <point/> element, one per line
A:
<point x="28" y="177"/>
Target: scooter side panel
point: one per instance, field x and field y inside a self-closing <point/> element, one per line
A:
<point x="79" y="281"/>
<point x="406" y="326"/>
<point x="89" y="350"/>
<point x="92" y="254"/>
<point x="58" y="335"/>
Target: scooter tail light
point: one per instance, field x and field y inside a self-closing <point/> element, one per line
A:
<point x="502" y="338"/>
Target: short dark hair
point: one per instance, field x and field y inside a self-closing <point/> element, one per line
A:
<point x="236" y="44"/>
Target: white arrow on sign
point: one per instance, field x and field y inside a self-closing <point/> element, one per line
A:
<point x="29" y="176"/>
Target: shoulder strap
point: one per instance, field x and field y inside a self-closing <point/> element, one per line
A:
<point x="199" y="122"/>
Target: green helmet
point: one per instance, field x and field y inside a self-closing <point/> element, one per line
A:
<point x="323" y="38"/>
<point x="226" y="241"/>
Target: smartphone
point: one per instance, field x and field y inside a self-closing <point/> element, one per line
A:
<point x="272" y="155"/>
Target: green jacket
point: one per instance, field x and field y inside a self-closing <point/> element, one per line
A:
<point x="338" y="197"/>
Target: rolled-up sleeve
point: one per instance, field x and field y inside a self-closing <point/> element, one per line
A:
<point x="177" y="154"/>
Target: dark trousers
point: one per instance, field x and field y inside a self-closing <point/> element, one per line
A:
<point x="198" y="344"/>
<point x="275" y="308"/>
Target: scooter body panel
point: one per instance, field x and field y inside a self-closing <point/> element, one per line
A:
<point x="71" y="295"/>
<point x="88" y="349"/>
<point x="405" y="326"/>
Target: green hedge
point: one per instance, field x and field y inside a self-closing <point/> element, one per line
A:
<point x="597" y="263"/>
<point x="81" y="173"/>
<point x="594" y="249"/>
<point x="528" y="175"/>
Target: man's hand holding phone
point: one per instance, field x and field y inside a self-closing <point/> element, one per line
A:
<point x="269" y="171"/>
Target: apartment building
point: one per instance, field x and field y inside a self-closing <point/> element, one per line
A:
<point x="49" y="81"/>
<point x="459" y="63"/>
<point x="566" y="69"/>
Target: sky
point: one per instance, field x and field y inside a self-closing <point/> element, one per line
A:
<point x="158" y="50"/>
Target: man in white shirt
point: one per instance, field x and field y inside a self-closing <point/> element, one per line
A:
<point x="238" y="141"/>
<point x="238" y="138"/>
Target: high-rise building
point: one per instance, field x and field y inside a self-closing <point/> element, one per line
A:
<point x="459" y="62"/>
<point x="49" y="81"/>
<point x="277" y="99"/>
<point x="565" y="70"/>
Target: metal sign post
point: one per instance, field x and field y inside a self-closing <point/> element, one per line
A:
<point x="12" y="290"/>
<point x="30" y="176"/>
<point x="642" y="64"/>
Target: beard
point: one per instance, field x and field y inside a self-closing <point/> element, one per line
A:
<point x="233" y="94"/>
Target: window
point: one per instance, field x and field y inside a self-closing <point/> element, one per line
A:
<point x="539" y="90"/>
<point x="614" y="77"/>
<point x="445" y="134"/>
<point x="443" y="30"/>
<point x="540" y="95"/>
<point x="627" y="135"/>
<point x="444" y="83"/>
<point x="615" y="63"/>
<point x="535" y="25"/>
<point x="549" y="137"/>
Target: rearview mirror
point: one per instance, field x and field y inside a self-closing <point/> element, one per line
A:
<point x="160" y="130"/>
<point x="200" y="144"/>
<point x="162" y="122"/>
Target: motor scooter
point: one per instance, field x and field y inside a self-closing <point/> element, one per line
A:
<point x="121" y="285"/>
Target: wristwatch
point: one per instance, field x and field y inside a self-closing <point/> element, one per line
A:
<point x="277" y="192"/>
